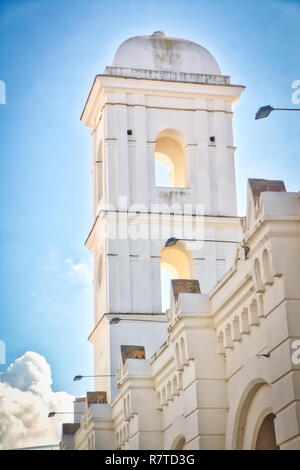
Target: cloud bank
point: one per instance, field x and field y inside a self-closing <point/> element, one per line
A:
<point x="26" y="397"/>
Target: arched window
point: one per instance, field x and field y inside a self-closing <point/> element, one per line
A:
<point x="170" y="159"/>
<point x="176" y="263"/>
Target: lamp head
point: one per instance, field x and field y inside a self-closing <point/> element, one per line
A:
<point x="264" y="112"/>
<point x="114" y="320"/>
<point x="171" y="242"/>
<point x="77" y="377"/>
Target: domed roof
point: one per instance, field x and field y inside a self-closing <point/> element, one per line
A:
<point x="161" y="52"/>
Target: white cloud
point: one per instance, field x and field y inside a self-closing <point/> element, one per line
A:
<point x="26" y="397"/>
<point x="81" y="272"/>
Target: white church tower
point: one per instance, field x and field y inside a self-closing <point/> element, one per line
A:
<point x="162" y="102"/>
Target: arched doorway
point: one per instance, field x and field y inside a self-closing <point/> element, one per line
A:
<point x="266" y="438"/>
<point x="179" y="443"/>
<point x="254" y="420"/>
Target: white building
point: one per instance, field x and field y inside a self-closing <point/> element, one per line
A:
<point x="221" y="368"/>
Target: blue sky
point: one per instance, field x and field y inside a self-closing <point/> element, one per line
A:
<point x="50" y="52"/>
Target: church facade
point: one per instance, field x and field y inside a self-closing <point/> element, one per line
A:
<point x="220" y="368"/>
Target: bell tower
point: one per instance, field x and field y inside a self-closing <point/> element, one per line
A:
<point x="162" y="102"/>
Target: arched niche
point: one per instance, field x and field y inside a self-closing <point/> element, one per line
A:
<point x="268" y="278"/>
<point x="257" y="276"/>
<point x="177" y="357"/>
<point x="183" y="351"/>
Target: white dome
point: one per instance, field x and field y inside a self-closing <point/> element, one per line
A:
<point x="160" y="52"/>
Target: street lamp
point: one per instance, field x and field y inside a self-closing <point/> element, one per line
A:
<point x="172" y="241"/>
<point x="116" y="320"/>
<point x="264" y="111"/>
<point x="79" y="377"/>
<point x="53" y="413"/>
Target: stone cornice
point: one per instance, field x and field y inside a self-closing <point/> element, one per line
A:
<point x="167" y="75"/>
<point x="110" y="83"/>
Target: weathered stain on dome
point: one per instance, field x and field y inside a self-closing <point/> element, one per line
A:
<point x="161" y="52"/>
